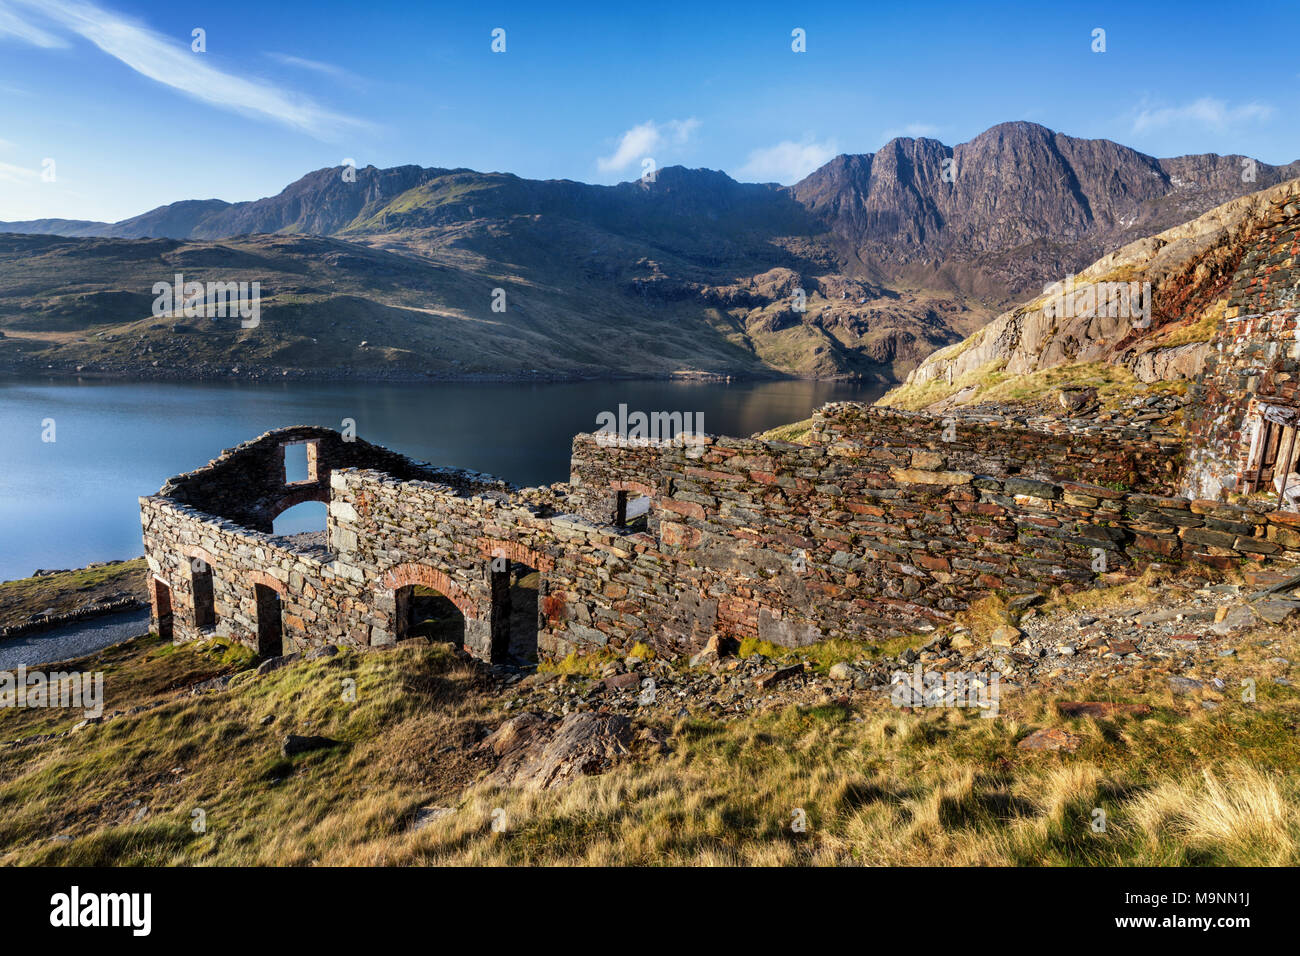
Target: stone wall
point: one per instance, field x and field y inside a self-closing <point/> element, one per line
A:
<point x="1058" y="450"/>
<point x="1255" y="361"/>
<point x="247" y="483"/>
<point x="799" y="543"/>
<point x="320" y="604"/>
<point x="861" y="536"/>
<point x="215" y="523"/>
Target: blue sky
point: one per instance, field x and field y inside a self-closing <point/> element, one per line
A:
<point x="111" y="91"/>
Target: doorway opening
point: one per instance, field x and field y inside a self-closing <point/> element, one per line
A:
<point x="270" y="622"/>
<point x="205" y="598"/>
<point x="425" y="612"/>
<point x="1273" y="458"/>
<point x="517" y="590"/>
<point x="162" y="607"/>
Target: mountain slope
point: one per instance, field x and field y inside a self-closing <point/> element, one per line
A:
<point x="328" y="308"/>
<point x="892" y="255"/>
<point x="1189" y="267"/>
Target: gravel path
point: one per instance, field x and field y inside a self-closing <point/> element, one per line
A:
<point x="73" y="640"/>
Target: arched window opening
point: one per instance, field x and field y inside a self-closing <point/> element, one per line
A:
<point x="305" y="518"/>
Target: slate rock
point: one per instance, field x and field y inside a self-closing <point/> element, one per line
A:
<point x="1185" y="685"/>
<point x="1051" y="738"/>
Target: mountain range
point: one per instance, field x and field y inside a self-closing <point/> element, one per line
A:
<point x="393" y="272"/>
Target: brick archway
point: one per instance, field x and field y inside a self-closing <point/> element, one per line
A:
<point x="160" y="600"/>
<point x="430" y="577"/>
<point x="194" y="551"/>
<point x="514" y="551"/>
<point x="261" y="577"/>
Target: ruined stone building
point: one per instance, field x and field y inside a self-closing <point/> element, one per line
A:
<point x="884" y="523"/>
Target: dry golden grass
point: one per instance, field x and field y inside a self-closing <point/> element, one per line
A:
<point x="796" y="433"/>
<point x="990" y="383"/>
<point x="1141" y="590"/>
<point x="1180" y="785"/>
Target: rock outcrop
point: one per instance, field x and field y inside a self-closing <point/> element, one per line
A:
<point x="1189" y="268"/>
<point x="538" y="751"/>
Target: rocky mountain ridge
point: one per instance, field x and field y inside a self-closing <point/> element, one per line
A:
<point x="897" y="253"/>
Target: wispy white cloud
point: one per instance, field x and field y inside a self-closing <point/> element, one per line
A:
<point x="11" y="24"/>
<point x="302" y="63"/>
<point x="787" y="162"/>
<point x="170" y="62"/>
<point x="1206" y="112"/>
<point x="18" y="174"/>
<point x="645" y="141"/>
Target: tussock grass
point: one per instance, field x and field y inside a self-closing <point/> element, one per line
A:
<point x="915" y="397"/>
<point x="992" y="384"/>
<point x="986" y="615"/>
<point x="822" y="655"/>
<point x="1202" y="330"/>
<point x="1180" y="785"/>
<point x="1142" y="590"/>
<point x="590" y="664"/>
<point x="796" y="433"/>
<point x="406" y="738"/>
<point x="895" y="789"/>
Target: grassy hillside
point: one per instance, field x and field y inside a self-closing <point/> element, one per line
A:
<point x="1202" y="780"/>
<point x="328" y="305"/>
<point x="67" y="591"/>
<point x="617" y="285"/>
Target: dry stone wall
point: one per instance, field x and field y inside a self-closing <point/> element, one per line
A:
<point x="321" y="602"/>
<point x="877" y="528"/>
<point x="851" y="539"/>
<point x="247" y="483"/>
<point x="1255" y="360"/>
<point x="1094" y="453"/>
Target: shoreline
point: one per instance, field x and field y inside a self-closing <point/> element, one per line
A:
<point x="399" y="377"/>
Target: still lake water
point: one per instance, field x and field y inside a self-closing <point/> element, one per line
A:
<point x="68" y="502"/>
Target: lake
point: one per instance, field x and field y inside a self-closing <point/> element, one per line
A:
<point x="66" y="503"/>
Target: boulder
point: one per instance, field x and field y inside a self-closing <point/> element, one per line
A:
<point x="717" y="648"/>
<point x="772" y="678"/>
<point x="1005" y="636"/>
<point x="540" y="752"/>
<point x="843" y="671"/>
